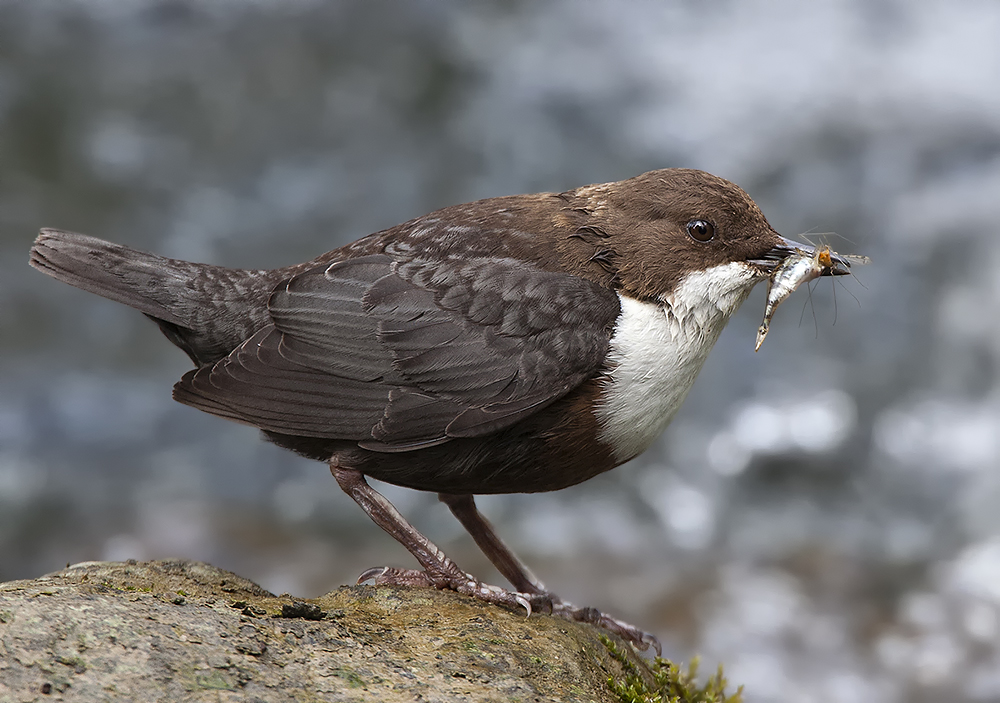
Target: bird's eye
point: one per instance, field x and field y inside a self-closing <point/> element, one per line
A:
<point x="701" y="230"/>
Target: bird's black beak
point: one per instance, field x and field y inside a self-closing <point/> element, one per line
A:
<point x="774" y="256"/>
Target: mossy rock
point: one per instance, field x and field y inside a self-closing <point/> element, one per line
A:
<point x="187" y="631"/>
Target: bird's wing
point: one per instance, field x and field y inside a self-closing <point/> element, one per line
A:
<point x="402" y="353"/>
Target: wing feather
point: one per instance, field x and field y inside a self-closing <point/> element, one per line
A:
<point x="407" y="351"/>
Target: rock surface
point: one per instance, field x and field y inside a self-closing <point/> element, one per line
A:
<point x="187" y="631"/>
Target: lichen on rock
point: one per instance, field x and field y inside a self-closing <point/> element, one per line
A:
<point x="187" y="631"/>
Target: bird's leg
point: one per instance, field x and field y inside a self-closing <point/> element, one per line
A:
<point x="513" y="569"/>
<point x="439" y="571"/>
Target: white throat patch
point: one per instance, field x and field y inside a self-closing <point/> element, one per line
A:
<point x="657" y="351"/>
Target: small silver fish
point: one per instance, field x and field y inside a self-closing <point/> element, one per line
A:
<point x="796" y="269"/>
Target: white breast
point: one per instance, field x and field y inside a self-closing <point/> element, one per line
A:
<point x="657" y="350"/>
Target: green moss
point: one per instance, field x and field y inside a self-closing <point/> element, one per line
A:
<point x="76" y="663"/>
<point x="214" y="681"/>
<point x="670" y="683"/>
<point x="351" y="677"/>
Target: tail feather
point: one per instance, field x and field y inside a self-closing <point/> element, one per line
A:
<point x="205" y="310"/>
<point x="137" y="279"/>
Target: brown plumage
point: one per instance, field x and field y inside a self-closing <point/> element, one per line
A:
<point x="460" y="352"/>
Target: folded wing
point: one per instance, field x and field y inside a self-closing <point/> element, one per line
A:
<point x="402" y="353"/>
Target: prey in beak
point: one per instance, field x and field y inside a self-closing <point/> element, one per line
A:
<point x="789" y="265"/>
<point x="838" y="265"/>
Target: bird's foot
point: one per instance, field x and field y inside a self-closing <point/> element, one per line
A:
<point x="460" y="582"/>
<point x="542" y="602"/>
<point x="640" y="639"/>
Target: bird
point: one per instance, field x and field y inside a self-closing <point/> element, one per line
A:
<point x="516" y="344"/>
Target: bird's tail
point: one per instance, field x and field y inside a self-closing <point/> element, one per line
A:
<point x="205" y="310"/>
<point x="151" y="284"/>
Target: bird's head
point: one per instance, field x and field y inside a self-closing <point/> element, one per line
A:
<point x="682" y="232"/>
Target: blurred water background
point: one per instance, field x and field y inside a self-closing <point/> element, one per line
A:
<point x="823" y="516"/>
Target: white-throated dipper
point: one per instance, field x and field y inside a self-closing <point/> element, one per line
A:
<point x="511" y="345"/>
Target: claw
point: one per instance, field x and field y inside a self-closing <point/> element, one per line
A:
<point x="647" y="640"/>
<point x="372" y="574"/>
<point x="524" y="602"/>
